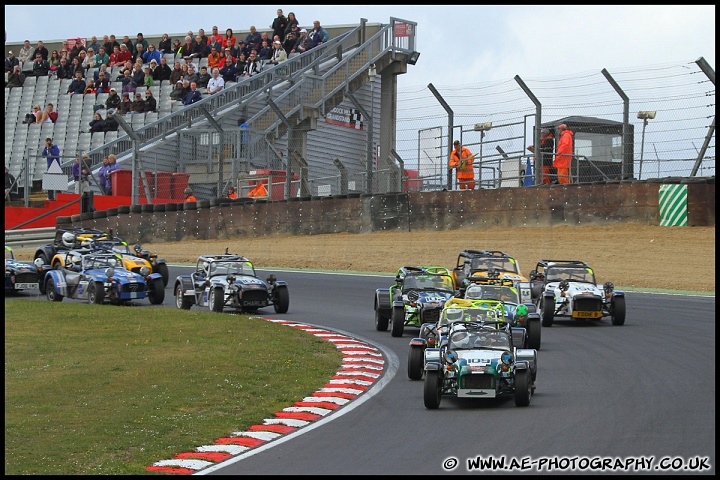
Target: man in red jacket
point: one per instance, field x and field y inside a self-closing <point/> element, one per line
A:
<point x="563" y="155"/>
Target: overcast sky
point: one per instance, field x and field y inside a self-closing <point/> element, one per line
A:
<point x="458" y="44"/>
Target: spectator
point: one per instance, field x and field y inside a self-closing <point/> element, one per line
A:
<point x="188" y="61"/>
<point x="80" y="173"/>
<point x="253" y="65"/>
<point x="191" y="76"/>
<point x="192" y="37"/>
<point x="564" y="154"/>
<point x="318" y="34"/>
<point x="266" y="51"/>
<point x="176" y="73"/>
<point x="189" y="197"/>
<point x="201" y="48"/>
<point x="94" y="44"/>
<point x="115" y="57"/>
<point x="150" y="101"/>
<point x="547" y="147"/>
<point x="165" y="44"/>
<point x="163" y="71"/>
<point x="214" y="41"/>
<point x="125" y="104"/>
<point x="188" y="48"/>
<point x="279" y="54"/>
<point x="65" y="70"/>
<point x="229" y="39"/>
<point x="259" y="191"/>
<point x="303" y="44"/>
<point x="141" y="40"/>
<point x="102" y="68"/>
<point x="138" y="53"/>
<point x="290" y="41"/>
<point x="51" y="152"/>
<point x="76" y="49"/>
<point x="151" y="54"/>
<point x="33" y="117"/>
<point x="203" y="38"/>
<point x="243" y="48"/>
<point x="88" y="60"/>
<point x="231" y="191"/>
<point x="97" y="124"/>
<point x="110" y="44"/>
<point x="101" y="174"/>
<point x="214" y="57"/>
<point x="41" y="50"/>
<point x="178" y="92"/>
<point x="124" y="54"/>
<point x="127" y="82"/>
<point x="78" y="85"/>
<point x="148" y="78"/>
<point x="16" y="78"/>
<point x="26" y="52"/>
<point x="40" y="67"/>
<point x="253" y="38"/>
<point x="112" y="166"/>
<point x="138" y="106"/>
<point x="111" y="125"/>
<point x="227" y="60"/>
<point x="11" y="61"/>
<point x="113" y="100"/>
<point x="49" y="115"/>
<point x="127" y="65"/>
<point x="216" y="83"/>
<point x="102" y="85"/>
<point x="102" y="58"/>
<point x="54" y="61"/>
<point x="176" y="47"/>
<point x="291" y="21"/>
<point x="90" y="87"/>
<point x="193" y="95"/>
<point x="204" y="77"/>
<point x="128" y="44"/>
<point x="278" y="25"/>
<point x="217" y="35"/>
<point x="9" y="185"/>
<point x="76" y="66"/>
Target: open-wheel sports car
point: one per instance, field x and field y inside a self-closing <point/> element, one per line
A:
<point x="567" y="289"/>
<point x="487" y="311"/>
<point x="227" y="280"/>
<point x="475" y="265"/>
<point x="99" y="276"/>
<point x="74" y="238"/>
<point x="19" y="275"/>
<point x="516" y="313"/>
<point x="417" y="297"/>
<point x="479" y="360"/>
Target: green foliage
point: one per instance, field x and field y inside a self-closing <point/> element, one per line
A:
<point x="100" y="389"/>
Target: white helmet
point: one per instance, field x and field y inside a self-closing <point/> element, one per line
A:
<point x="76" y="259"/>
<point x="68" y="239"/>
<point x="460" y="337"/>
<point x="473" y="292"/>
<point x="453" y="314"/>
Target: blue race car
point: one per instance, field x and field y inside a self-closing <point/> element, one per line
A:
<point x="99" y="276"/>
<point x="19" y="275"/>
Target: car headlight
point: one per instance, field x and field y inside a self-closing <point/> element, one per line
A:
<point x="271" y="279"/>
<point x="38" y="262"/>
<point x="109" y="272"/>
<point x="506" y="358"/>
<point x="144" y="271"/>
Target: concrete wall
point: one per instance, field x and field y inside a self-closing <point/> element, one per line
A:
<point x="584" y="204"/>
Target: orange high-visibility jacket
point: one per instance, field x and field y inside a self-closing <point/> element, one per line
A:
<point x="258" y="191"/>
<point x="563" y="155"/>
<point x="463" y="173"/>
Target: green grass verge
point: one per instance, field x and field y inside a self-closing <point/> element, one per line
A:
<point x="102" y="389"/>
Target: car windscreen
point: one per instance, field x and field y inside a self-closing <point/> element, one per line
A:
<point x="234" y="268"/>
<point x="571" y="274"/>
<point x="422" y="282"/>
<point x="501" y="264"/>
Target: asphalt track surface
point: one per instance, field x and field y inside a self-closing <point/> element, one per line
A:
<point x="638" y="398"/>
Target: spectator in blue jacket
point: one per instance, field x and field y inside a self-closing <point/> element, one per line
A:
<point x="193" y="95"/>
<point x="112" y="165"/>
<point x="318" y="34"/>
<point x="151" y="54"/>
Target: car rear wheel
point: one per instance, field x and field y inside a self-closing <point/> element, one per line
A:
<point x="533" y="333"/>
<point x="50" y="292"/>
<point x="547" y="308"/>
<point x="96" y="293"/>
<point x="162" y="269"/>
<point x="216" y="302"/>
<point x="416" y="360"/>
<point x="381" y="321"/>
<point x="523" y="391"/>
<point x="432" y="389"/>
<point x="181" y="301"/>
<point x="398" y="321"/>
<point x="156" y="292"/>
<point x="282" y="300"/>
<point x="618" y="311"/>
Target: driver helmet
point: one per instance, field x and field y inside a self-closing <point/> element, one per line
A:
<point x="461" y="337"/>
<point x="453" y="314"/>
<point x="76" y="261"/>
<point x="68" y="239"/>
<point x="473" y="292"/>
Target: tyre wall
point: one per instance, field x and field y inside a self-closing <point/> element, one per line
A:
<point x="584" y="204"/>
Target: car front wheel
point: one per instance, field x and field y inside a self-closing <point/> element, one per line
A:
<point x="50" y="292"/>
<point x="156" y="292"/>
<point x="96" y="293"/>
<point x="281" y="303"/>
<point x="547" y="307"/>
<point x="416" y="361"/>
<point x="432" y="389"/>
<point x="162" y="269"/>
<point x="216" y="302"/>
<point x="398" y="321"/>
<point x="181" y="301"/>
<point x="523" y="391"/>
<point x="618" y="311"/>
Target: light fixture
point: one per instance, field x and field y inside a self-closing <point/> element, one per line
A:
<point x="646" y="114"/>
<point x="413" y="58"/>
<point x="372" y="72"/>
<point x="483" y="127"/>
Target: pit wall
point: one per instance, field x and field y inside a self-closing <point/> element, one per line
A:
<point x="583" y="204"/>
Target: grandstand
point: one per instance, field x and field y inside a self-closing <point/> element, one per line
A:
<point x="291" y="110"/>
